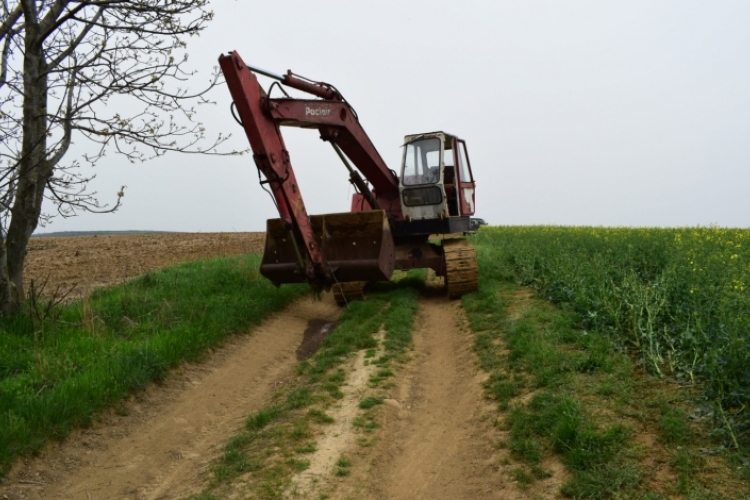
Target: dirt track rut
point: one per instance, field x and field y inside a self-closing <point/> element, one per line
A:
<point x="436" y="438"/>
<point x="437" y="442"/>
<point x="162" y="448"/>
<point x="439" y="447"/>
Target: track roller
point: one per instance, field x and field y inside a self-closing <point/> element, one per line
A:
<point x="461" y="274"/>
<point x="343" y="293"/>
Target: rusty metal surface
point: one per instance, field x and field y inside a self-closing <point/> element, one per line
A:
<point x="338" y="123"/>
<point x="272" y="158"/>
<point x="358" y="247"/>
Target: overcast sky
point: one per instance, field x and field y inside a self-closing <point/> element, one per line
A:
<point x="615" y="113"/>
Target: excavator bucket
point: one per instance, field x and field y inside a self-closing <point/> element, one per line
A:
<point x="357" y="245"/>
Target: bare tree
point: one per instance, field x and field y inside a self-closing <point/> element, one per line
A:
<point x="111" y="71"/>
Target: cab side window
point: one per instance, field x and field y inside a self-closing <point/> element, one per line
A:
<point x="463" y="164"/>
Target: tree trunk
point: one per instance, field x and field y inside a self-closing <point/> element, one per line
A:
<point x="34" y="169"/>
<point x="7" y="301"/>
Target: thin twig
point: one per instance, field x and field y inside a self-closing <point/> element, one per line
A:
<point x="25" y="481"/>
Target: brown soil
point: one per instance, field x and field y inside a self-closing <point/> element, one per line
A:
<point x="340" y="437"/>
<point x="162" y="446"/>
<point x="77" y="264"/>
<point x="437" y="438"/>
<point x="438" y="443"/>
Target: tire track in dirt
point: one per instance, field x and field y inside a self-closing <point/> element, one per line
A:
<point x="162" y="450"/>
<point x="340" y="436"/>
<point x="438" y="441"/>
<point x="437" y="445"/>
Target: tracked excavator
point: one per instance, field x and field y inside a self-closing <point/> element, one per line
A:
<point x="416" y="218"/>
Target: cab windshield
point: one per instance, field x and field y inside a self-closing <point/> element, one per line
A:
<point x="422" y="162"/>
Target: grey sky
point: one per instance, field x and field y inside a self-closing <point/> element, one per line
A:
<point x="576" y="112"/>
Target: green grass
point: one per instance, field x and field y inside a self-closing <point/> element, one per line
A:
<point x="674" y="426"/>
<point x="529" y="347"/>
<point x="538" y="352"/>
<point x="342" y="466"/>
<point x="60" y="373"/>
<point x="277" y="438"/>
<point x="257" y="421"/>
<point x="570" y="392"/>
<point x="366" y="422"/>
<point x="369" y="402"/>
<point x="679" y="297"/>
<point x="320" y="416"/>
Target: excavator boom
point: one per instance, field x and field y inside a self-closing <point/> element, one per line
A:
<point x="322" y="250"/>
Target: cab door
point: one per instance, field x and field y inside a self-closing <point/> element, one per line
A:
<point x="465" y="180"/>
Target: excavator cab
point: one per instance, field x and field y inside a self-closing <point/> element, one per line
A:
<point x="436" y="180"/>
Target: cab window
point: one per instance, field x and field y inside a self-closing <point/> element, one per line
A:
<point x="422" y="162"/>
<point x="463" y="163"/>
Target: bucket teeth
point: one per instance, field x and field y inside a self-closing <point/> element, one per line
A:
<point x="461" y="276"/>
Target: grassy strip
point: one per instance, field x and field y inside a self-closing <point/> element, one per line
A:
<point x="60" y="369"/>
<point x="559" y="365"/>
<point x="681" y="297"/>
<point x="567" y="394"/>
<point x="276" y="441"/>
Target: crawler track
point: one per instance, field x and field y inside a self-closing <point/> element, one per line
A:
<point x="461" y="274"/>
<point x="343" y="293"/>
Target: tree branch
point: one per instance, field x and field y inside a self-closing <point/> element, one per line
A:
<point x="67" y="124"/>
<point x="10" y="21"/>
<point x="75" y="43"/>
<point x="30" y="14"/>
<point x="4" y="61"/>
<point x="81" y="200"/>
<point x="49" y="19"/>
<point x="175" y="9"/>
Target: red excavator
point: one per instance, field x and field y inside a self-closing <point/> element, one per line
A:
<point x="393" y="215"/>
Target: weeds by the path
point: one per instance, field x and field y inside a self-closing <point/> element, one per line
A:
<point x="60" y="371"/>
<point x="572" y="395"/>
<point x="278" y="439"/>
<point x="679" y="297"/>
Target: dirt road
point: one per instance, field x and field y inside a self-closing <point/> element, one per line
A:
<point x="436" y="439"/>
<point x="161" y="449"/>
<point x="437" y="436"/>
<point x="436" y="443"/>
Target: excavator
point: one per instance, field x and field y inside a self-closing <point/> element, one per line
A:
<point x="416" y="218"/>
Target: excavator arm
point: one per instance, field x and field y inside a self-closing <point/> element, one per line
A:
<point x="304" y="248"/>
<point x="272" y="158"/>
<point x="338" y="124"/>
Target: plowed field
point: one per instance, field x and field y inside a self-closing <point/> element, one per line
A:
<point x="78" y="264"/>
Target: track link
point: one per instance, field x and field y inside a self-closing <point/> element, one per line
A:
<point x="461" y="276"/>
<point x="343" y="293"/>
